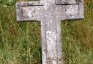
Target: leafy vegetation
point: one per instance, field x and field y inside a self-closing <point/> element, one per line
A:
<point x="20" y="42"/>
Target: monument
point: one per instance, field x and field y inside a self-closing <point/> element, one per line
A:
<point x="50" y="13"/>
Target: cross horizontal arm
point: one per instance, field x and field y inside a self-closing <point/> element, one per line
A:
<point x="75" y="11"/>
<point x="33" y="10"/>
<point x="27" y="11"/>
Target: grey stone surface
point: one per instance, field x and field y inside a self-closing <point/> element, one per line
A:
<point x="33" y="11"/>
<point x="50" y="13"/>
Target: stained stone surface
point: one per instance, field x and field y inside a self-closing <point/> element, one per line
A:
<point x="74" y="12"/>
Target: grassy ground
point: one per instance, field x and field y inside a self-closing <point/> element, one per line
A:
<point x="20" y="42"/>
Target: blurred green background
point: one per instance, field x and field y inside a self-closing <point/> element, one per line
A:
<point x="20" y="42"/>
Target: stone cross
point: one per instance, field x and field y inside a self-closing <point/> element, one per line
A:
<point x="50" y="13"/>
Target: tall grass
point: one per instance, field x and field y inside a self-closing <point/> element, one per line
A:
<point x="20" y="42"/>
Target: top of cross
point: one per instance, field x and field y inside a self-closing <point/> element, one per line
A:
<point x="64" y="9"/>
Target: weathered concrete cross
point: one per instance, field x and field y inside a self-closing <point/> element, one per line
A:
<point x="50" y="13"/>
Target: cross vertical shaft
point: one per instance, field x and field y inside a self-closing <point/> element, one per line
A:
<point x="51" y="42"/>
<point x="51" y="36"/>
